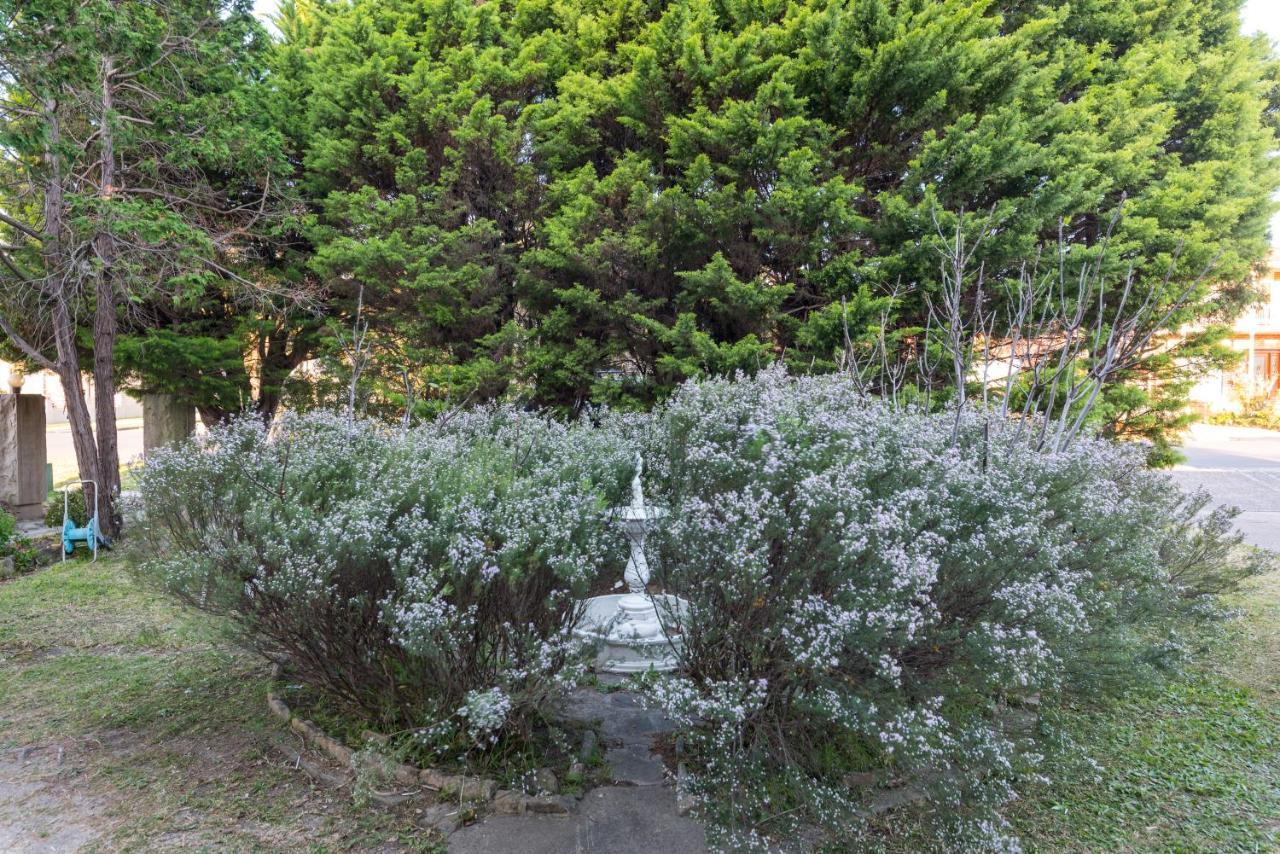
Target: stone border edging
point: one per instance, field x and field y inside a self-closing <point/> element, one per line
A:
<point x="477" y="790"/>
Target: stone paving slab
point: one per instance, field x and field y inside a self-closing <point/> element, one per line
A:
<point x="610" y="820"/>
<point x="639" y="815"/>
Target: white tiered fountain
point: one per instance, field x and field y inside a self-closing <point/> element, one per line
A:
<point x="627" y="626"/>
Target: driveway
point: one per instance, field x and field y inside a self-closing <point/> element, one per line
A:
<point x="1239" y="466"/>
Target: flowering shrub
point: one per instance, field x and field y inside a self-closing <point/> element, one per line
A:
<point x="872" y="592"/>
<point x="871" y="589"/>
<point x="426" y="578"/>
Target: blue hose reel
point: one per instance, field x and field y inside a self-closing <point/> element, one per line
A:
<point x="90" y="534"/>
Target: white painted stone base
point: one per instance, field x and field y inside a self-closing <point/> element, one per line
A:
<point x="615" y="655"/>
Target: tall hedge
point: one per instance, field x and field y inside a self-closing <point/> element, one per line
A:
<point x="538" y="194"/>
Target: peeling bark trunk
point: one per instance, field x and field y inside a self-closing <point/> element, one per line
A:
<point x="64" y="328"/>
<point x="73" y="390"/>
<point x="104" y="321"/>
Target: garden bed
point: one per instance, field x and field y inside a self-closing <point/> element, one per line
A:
<point x="865" y="590"/>
<point x="130" y="723"/>
<point x="473" y="794"/>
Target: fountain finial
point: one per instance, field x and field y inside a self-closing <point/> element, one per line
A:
<point x="637" y="488"/>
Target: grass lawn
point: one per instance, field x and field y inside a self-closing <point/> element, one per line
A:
<point x="127" y="723"/>
<point x="1192" y="766"/>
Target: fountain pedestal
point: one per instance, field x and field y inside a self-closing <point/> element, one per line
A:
<point x="628" y="627"/>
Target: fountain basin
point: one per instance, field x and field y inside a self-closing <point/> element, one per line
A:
<point x="618" y="651"/>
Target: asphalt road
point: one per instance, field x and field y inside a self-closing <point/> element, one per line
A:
<point x="62" y="454"/>
<point x="1238" y="466"/>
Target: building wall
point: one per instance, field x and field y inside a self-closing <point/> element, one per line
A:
<point x="1256" y="334"/>
<point x="55" y="404"/>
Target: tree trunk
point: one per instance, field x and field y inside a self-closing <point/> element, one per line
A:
<point x="104" y="320"/>
<point x="211" y="417"/>
<point x="73" y="390"/>
<point x="276" y="361"/>
<point x="64" y="327"/>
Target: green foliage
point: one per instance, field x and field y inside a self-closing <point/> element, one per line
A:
<point x="12" y="544"/>
<point x="576" y="202"/>
<point x="75" y="507"/>
<point x="1186" y="766"/>
<point x="207" y="371"/>
<point x="190" y="239"/>
<point x="8" y="527"/>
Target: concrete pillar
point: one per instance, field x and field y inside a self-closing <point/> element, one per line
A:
<point x="165" y="420"/>
<point x="23" y="454"/>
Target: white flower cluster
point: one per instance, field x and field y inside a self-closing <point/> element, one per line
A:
<point x="485" y="713"/>
<point x="453" y="558"/>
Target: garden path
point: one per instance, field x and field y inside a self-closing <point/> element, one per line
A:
<point x="636" y="816"/>
<point x="1239" y="466"/>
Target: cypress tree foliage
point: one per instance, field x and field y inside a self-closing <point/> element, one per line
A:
<point x="541" y="196"/>
<point x="232" y="348"/>
<point x="134" y="161"/>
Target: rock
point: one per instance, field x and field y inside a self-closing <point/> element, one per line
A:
<point x="7" y="567"/>
<point x="894" y="798"/>
<point x="860" y="778"/>
<point x="305" y="728"/>
<point x="337" y="751"/>
<point x="634" y="765"/>
<point x="446" y="818"/>
<point x="277" y="707"/>
<point x="313" y="769"/>
<point x="377" y="738"/>
<point x="508" y="802"/>
<point x="391" y="799"/>
<point x="432" y="779"/>
<point x="578" y="771"/>
<point x="477" y="789"/>
<point x="371" y="765"/>
<point x="458" y="785"/>
<point x="610" y="820"/>
<point x="589" y="743"/>
<point x="1019" y="721"/>
<point x="624" y="700"/>
<point x="405" y="775"/>
<point x="685" y="801"/>
<point x="545" y="782"/>
<point x="549" y="804"/>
